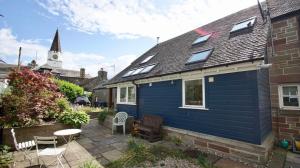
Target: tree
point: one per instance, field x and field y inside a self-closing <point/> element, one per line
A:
<point x="31" y="97"/>
<point x="70" y="90"/>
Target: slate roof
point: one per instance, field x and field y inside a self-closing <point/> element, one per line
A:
<point x="229" y="48"/>
<point x="281" y="7"/>
<point x="56" y="43"/>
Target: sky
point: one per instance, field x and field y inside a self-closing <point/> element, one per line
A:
<point x="96" y="34"/>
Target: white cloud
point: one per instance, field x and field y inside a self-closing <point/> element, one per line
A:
<point x="141" y="18"/>
<point x="9" y="45"/>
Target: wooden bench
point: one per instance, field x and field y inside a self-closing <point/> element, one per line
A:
<point x="150" y="128"/>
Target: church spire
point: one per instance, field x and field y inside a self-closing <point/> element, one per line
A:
<point x="56" y="43"/>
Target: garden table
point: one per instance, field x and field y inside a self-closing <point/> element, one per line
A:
<point x="67" y="135"/>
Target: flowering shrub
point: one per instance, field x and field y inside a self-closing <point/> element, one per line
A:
<point x="31" y="98"/>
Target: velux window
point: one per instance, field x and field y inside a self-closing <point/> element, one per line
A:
<point x="289" y="96"/>
<point x="147" y="59"/>
<point x="140" y="70"/>
<point x="126" y="95"/>
<point x="243" y="24"/>
<point x="199" y="56"/>
<point x="201" y="39"/>
<point x="193" y="93"/>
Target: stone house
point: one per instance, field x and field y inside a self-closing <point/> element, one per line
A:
<point x="285" y="70"/>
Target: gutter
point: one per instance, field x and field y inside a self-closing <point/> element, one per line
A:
<point x="196" y="69"/>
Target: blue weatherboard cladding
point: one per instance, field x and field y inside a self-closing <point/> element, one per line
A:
<point x="232" y="100"/>
<point x="265" y="117"/>
<point x="130" y="109"/>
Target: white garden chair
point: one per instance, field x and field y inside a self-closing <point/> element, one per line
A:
<point x="23" y="147"/>
<point x="49" y="152"/>
<point x="119" y="120"/>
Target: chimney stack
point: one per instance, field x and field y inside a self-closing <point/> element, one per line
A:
<point x="102" y="75"/>
<point x="82" y="73"/>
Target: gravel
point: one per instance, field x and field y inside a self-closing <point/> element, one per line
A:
<point x="170" y="163"/>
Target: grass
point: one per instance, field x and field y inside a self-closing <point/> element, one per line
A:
<point x="88" y="109"/>
<point x="138" y="154"/>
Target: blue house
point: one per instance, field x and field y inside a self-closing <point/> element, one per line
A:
<point x="211" y="80"/>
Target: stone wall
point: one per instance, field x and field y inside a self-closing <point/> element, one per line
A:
<point x="236" y="150"/>
<point x="285" y="69"/>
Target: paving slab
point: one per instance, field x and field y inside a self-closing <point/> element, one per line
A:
<point x="292" y="160"/>
<point x="76" y="155"/>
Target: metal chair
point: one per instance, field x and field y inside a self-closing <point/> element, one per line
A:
<point x="49" y="152"/>
<point x="23" y="147"/>
<point x="119" y="120"/>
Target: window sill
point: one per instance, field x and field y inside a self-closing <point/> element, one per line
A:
<point x="289" y="108"/>
<point x="132" y="104"/>
<point x="195" y="108"/>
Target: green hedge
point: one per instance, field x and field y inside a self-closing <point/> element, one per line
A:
<point x="70" y="90"/>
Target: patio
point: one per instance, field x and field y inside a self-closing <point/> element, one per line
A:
<point x="96" y="144"/>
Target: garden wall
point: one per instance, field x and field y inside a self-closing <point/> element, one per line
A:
<point x="227" y="148"/>
<point x="27" y="133"/>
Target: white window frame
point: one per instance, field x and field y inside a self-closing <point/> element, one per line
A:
<point x="203" y="94"/>
<point x="280" y="96"/>
<point x="119" y="95"/>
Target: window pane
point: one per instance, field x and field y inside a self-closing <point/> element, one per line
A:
<point x="128" y="73"/>
<point x="137" y="71"/>
<point x="148" y="68"/>
<point x="193" y="92"/>
<point x="147" y="59"/>
<point x="243" y="25"/>
<point x="290" y="90"/>
<point x="200" y="56"/>
<point x="202" y="39"/>
<point x="123" y="94"/>
<point x="288" y="101"/>
<point x="131" y="94"/>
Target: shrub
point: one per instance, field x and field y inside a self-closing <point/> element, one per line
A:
<point x="74" y="118"/>
<point x="5" y="157"/>
<point x="63" y="104"/>
<point x="102" y="115"/>
<point x="70" y="90"/>
<point x="89" y="164"/>
<point x="202" y="160"/>
<point x="30" y="98"/>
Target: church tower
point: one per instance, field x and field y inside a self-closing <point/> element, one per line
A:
<point x="54" y="54"/>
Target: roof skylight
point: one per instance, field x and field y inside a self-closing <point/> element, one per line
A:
<point x="147" y="59"/>
<point x="137" y="71"/>
<point x="144" y="69"/>
<point x="244" y="24"/>
<point x="199" y="56"/>
<point x="128" y="73"/>
<point x="148" y="68"/>
<point x="202" y="39"/>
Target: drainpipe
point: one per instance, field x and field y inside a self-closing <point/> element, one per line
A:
<point x="136" y="99"/>
<point x="272" y="55"/>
